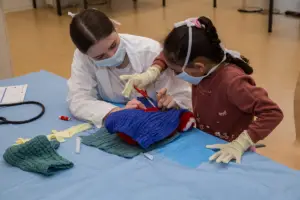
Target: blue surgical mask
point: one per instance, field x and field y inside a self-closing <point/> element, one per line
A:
<point x="116" y="60"/>
<point x="183" y="75"/>
<point x="195" y="80"/>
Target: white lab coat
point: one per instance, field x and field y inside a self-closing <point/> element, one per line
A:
<point x="91" y="88"/>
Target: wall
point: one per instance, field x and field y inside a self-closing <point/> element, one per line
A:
<point x="15" y="5"/>
<point x="282" y="5"/>
<point x="5" y="64"/>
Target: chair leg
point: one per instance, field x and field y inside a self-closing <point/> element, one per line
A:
<point x="270" y="23"/>
<point x="85" y="4"/>
<point x="34" y="4"/>
<point x="164" y="3"/>
<point x="58" y="7"/>
<point x="215" y="3"/>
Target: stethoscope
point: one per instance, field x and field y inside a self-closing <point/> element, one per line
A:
<point x="3" y="120"/>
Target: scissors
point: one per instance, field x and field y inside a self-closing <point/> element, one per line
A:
<point x="145" y="94"/>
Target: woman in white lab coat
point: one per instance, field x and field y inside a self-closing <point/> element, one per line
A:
<point x="101" y="57"/>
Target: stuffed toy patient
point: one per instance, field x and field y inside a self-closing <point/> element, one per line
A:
<point x="149" y="126"/>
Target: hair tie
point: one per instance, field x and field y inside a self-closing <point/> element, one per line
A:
<point x="196" y="23"/>
<point x="71" y="14"/>
<point x="115" y="22"/>
<point x="190" y="22"/>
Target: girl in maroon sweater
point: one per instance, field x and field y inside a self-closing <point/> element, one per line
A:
<point x="226" y="101"/>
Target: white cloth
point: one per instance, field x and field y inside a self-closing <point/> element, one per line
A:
<point x="91" y="87"/>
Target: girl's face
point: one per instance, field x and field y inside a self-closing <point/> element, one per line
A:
<point x="195" y="68"/>
<point x="105" y="48"/>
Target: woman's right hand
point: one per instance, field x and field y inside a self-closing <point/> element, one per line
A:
<point x="132" y="104"/>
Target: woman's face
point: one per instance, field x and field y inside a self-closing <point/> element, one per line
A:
<point x="105" y="48"/>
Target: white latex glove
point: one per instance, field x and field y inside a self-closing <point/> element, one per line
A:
<point x="231" y="151"/>
<point x="140" y="80"/>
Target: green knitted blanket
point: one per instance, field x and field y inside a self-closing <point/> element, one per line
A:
<point x="37" y="155"/>
<point x="111" y="143"/>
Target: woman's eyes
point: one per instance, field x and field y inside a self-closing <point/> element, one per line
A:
<point x="99" y="57"/>
<point x="112" y="46"/>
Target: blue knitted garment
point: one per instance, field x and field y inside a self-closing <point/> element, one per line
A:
<point x="146" y="128"/>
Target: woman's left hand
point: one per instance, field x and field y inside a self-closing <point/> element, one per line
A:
<point x="140" y="80"/>
<point x="135" y="104"/>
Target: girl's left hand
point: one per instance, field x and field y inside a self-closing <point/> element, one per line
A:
<point x="231" y="151"/>
<point x="165" y="100"/>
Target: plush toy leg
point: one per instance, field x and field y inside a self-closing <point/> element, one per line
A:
<point x="187" y="121"/>
<point x="127" y="139"/>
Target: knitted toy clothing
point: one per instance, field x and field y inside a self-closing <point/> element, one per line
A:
<point x="146" y="127"/>
<point x="113" y="144"/>
<point x="37" y="155"/>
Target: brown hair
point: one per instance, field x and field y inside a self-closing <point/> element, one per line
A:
<point x="88" y="27"/>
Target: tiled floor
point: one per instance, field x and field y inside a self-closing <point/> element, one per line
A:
<point x="39" y="39"/>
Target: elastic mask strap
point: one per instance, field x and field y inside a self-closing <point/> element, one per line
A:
<point x="3" y="120"/>
<point x="189" y="23"/>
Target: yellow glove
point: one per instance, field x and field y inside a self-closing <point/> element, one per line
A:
<point x="231" y="151"/>
<point x="22" y="140"/>
<point x="140" y="80"/>
<point x="61" y="135"/>
<point x="68" y="133"/>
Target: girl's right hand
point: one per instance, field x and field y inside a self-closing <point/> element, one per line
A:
<point x="164" y="100"/>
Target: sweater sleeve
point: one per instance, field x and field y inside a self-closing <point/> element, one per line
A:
<point x="243" y="93"/>
<point x="160" y="61"/>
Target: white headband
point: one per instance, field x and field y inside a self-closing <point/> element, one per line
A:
<point x="189" y="23"/>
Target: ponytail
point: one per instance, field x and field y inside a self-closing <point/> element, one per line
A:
<point x="242" y="63"/>
<point x="212" y="34"/>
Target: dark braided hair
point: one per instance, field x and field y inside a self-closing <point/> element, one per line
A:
<point x="206" y="43"/>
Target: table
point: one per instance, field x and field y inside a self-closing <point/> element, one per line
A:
<point x="179" y="170"/>
<point x="270" y="15"/>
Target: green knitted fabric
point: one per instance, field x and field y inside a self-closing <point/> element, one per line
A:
<point x="37" y="155"/>
<point x="111" y="143"/>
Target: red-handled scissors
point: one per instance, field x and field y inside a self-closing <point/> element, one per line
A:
<point x="145" y="94"/>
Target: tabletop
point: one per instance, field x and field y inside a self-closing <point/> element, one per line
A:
<point x="179" y="170"/>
